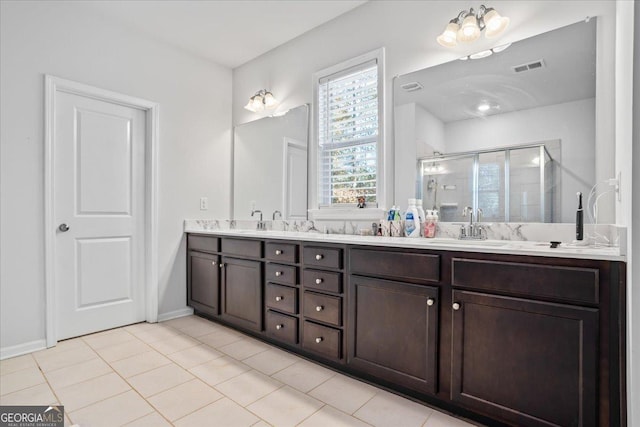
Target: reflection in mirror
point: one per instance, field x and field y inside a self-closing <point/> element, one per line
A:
<point x="537" y="93"/>
<point x="507" y="185"/>
<point x="270" y="166"/>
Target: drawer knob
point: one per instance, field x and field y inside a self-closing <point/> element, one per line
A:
<point x="319" y="257"/>
<point x="319" y="308"/>
<point x="279" y="327"/>
<point x="278" y="252"/>
<point x="279" y="298"/>
<point x="456" y="306"/>
<point x="430" y="301"/>
<point x="221" y="265"/>
<point x="318" y="281"/>
<point x="278" y="273"/>
<point x="319" y="340"/>
<point x="213" y="263"/>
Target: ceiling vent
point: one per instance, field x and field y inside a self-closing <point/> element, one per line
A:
<point x="411" y="87"/>
<point x="535" y="65"/>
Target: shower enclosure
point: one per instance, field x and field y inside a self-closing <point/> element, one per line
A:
<point x="515" y="184"/>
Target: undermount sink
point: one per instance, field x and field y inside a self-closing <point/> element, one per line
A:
<point x="442" y="241"/>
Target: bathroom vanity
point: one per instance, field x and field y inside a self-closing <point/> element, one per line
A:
<point x="501" y="333"/>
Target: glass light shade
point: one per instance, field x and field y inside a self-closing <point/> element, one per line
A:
<point x="249" y="105"/>
<point x="469" y="30"/>
<point x="448" y="36"/>
<point x="494" y="23"/>
<point x="257" y="104"/>
<point x="269" y="100"/>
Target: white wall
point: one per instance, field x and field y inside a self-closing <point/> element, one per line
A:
<point x="571" y="122"/>
<point x="40" y="38"/>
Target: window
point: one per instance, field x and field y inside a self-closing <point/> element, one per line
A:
<point x="348" y="133"/>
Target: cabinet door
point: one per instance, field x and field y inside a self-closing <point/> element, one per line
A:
<point x="393" y="331"/>
<point x="204" y="282"/>
<point x="527" y="362"/>
<point x="242" y="293"/>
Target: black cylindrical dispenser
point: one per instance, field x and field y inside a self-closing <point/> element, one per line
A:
<point x="579" y="219"/>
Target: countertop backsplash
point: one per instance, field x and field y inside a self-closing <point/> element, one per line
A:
<point x="601" y="234"/>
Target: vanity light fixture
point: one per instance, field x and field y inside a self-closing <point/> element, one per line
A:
<point x="467" y="26"/>
<point x="263" y="99"/>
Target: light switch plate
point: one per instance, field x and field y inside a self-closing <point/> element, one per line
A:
<point x="204" y="203"/>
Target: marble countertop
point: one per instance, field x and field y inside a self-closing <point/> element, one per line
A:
<point x="510" y="247"/>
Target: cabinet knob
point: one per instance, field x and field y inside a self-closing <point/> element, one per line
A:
<point x="456" y="306"/>
<point x="279" y="298"/>
<point x="319" y="308"/>
<point x="318" y="281"/>
<point x="213" y="263"/>
<point x="221" y="264"/>
<point x="278" y="273"/>
<point x="319" y="257"/>
<point x="319" y="340"/>
<point x="279" y="327"/>
<point x="430" y="301"/>
<point x="278" y="252"/>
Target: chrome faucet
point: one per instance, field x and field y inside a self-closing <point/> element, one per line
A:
<point x="273" y="217"/>
<point x="473" y="231"/>
<point x="261" y="224"/>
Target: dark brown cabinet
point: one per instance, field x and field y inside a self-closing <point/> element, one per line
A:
<point x="502" y="339"/>
<point x="532" y="363"/>
<point x="394" y="331"/>
<point x="241" y="292"/>
<point x="204" y="282"/>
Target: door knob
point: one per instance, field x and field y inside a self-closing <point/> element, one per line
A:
<point x="63" y="227"/>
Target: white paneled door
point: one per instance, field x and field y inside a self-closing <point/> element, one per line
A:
<point x="98" y="203"/>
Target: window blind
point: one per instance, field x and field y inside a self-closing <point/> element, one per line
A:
<point x="348" y="135"/>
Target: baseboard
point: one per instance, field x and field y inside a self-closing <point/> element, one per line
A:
<point x="187" y="311"/>
<point x="20" y="349"/>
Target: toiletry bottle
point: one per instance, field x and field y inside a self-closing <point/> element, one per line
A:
<point x="430" y="225"/>
<point x="422" y="215"/>
<point x="412" y="220"/>
<point x="392" y="213"/>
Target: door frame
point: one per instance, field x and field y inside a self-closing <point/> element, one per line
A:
<point x="53" y="85"/>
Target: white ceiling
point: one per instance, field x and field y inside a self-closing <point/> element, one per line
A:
<point x="228" y="32"/>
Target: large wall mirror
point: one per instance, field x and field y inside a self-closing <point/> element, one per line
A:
<point x="511" y="130"/>
<point x="270" y="166"/>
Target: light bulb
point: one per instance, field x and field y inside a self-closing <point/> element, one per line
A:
<point x="257" y="103"/>
<point x="448" y="36"/>
<point x="495" y="24"/>
<point x="469" y="30"/>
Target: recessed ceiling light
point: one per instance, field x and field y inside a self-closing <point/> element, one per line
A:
<point x="484" y="107"/>
<point x="481" y="54"/>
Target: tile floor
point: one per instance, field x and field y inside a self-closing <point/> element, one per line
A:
<point x="192" y="372"/>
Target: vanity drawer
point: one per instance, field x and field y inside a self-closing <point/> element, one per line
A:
<point x="281" y="273"/>
<point x="281" y="298"/>
<point x="202" y="243"/>
<point x="574" y="284"/>
<point x="282" y="252"/>
<point x="322" y="257"/>
<point x="322" y="280"/>
<point x="397" y="265"/>
<point x="282" y="327"/>
<point x="247" y="248"/>
<point x="323" y="308"/>
<point x="322" y="339"/>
